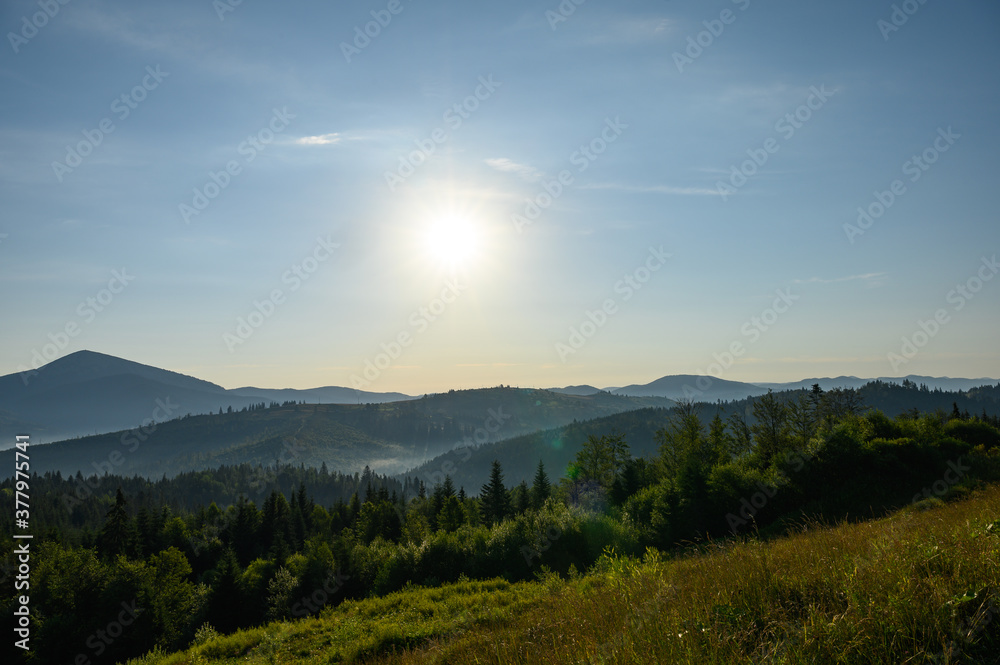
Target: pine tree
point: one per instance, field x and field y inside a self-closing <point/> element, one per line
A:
<point x="494" y="501"/>
<point x="541" y="488"/>
<point x="225" y="600"/>
<point x="521" y="497"/>
<point x="353" y="508"/>
<point x="116" y="535"/>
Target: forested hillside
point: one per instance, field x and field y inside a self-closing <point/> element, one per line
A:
<point x="557" y="447"/>
<point x="389" y="437"/>
<point x="279" y="553"/>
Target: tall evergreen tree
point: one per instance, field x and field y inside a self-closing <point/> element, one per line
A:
<point x="494" y="503"/>
<point x="520" y="497"/>
<point x="353" y="508"/>
<point x="448" y="489"/>
<point x="116" y="535"/>
<point x="771" y="427"/>
<point x="541" y="488"/>
<point x="226" y="604"/>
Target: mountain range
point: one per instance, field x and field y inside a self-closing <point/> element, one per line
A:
<point x="389" y="437"/>
<point x="88" y="394"/>
<point x="709" y="389"/>
<point x="557" y="447"/>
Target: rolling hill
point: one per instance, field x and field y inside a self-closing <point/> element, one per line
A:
<point x="89" y="393"/>
<point x="932" y="382"/>
<point x="469" y="467"/>
<point x="688" y="386"/>
<point x="557" y="447"/>
<point x="388" y="437"/>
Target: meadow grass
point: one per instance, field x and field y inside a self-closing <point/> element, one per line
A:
<point x="919" y="586"/>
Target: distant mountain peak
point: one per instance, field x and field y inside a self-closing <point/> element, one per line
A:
<point x="90" y="365"/>
<point x="582" y="390"/>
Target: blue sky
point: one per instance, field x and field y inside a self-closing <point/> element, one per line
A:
<point x="428" y="279"/>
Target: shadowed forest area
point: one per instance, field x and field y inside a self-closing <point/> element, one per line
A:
<point x="213" y="552"/>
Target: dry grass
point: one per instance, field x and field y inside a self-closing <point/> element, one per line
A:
<point x="921" y="586"/>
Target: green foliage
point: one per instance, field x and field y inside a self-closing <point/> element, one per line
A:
<point x="653" y="512"/>
<point x="233" y="565"/>
<point x="379" y="519"/>
<point x="974" y="432"/>
<point x="281" y="594"/>
<point x="600" y="460"/>
<point x="494" y="500"/>
<point x="771" y="434"/>
<point x="875" y="592"/>
<point x="116" y="536"/>
<point x="541" y="488"/>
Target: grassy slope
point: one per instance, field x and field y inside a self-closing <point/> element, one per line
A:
<point x="920" y="586"/>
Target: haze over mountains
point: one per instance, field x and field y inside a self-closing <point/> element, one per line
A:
<point x="91" y="393"/>
<point x="709" y="389"/>
<point x="389" y="437"/>
<point x="86" y="393"/>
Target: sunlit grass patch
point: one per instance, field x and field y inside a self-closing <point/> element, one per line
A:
<point x="921" y="586"/>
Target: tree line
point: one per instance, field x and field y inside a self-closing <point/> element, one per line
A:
<point x="314" y="538"/>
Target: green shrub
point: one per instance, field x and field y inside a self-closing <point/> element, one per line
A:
<point x="974" y="432"/>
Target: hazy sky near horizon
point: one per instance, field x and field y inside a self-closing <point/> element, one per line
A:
<point x="526" y="193"/>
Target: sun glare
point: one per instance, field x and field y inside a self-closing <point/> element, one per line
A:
<point x="452" y="241"/>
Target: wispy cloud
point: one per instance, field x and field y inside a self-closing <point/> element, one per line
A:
<point x="655" y="189"/>
<point x="156" y="30"/>
<point x="849" y="278"/>
<point x="319" y="139"/>
<point x="505" y="165"/>
<point x="630" y="31"/>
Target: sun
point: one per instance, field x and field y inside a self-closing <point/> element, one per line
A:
<point x="452" y="241"/>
